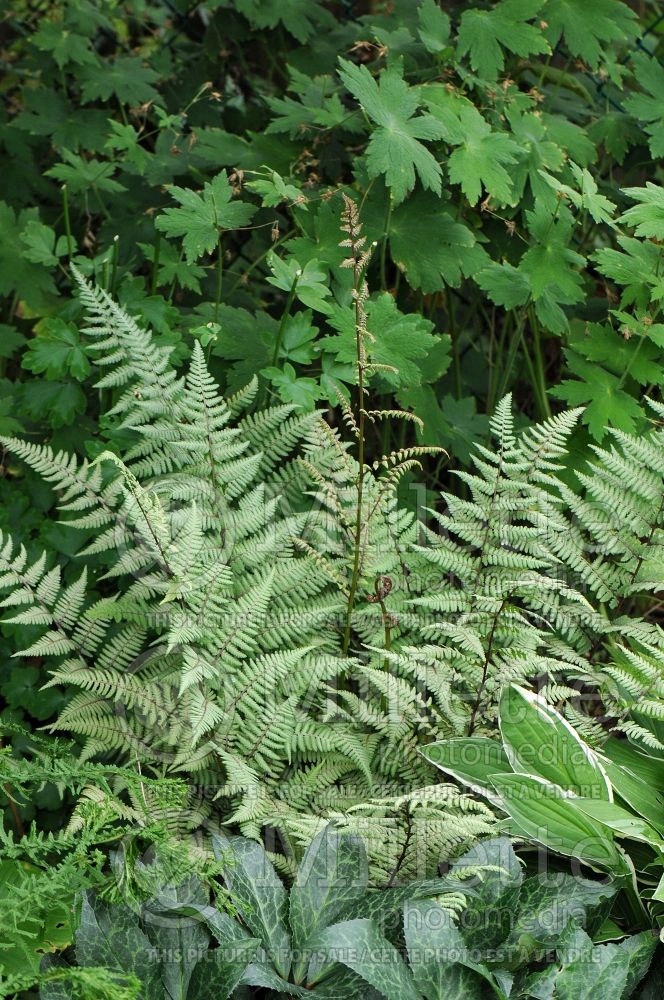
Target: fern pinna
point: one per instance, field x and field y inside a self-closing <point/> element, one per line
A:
<point x="222" y="650"/>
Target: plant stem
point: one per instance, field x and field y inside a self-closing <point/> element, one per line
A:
<point x="383" y="247"/>
<point x="155" y="264"/>
<point x="220" y="276"/>
<point x="539" y="364"/>
<point x="284" y="317"/>
<point x="451" y="319"/>
<point x="65" y="209"/>
<point x="114" y="263"/>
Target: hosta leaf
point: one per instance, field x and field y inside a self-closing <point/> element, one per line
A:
<point x="542" y="812"/>
<point x="621" y="821"/>
<point x="472" y="761"/>
<point x="539" y="741"/>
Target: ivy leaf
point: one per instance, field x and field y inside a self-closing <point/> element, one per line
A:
<point x="56" y="352"/>
<point x="551" y="265"/>
<point x="360" y="945"/>
<point x="291" y="387"/>
<point x="10" y="340"/>
<point x="125" y="78"/>
<point x="607" y="403"/>
<point x="334" y="378"/>
<point x="64" y="45"/>
<point x="451" y="422"/>
<point x="41" y="245"/>
<point x="647" y="107"/>
<point x="586" y="195"/>
<point x="485" y="33"/>
<point x="434" y="27"/>
<point x="633" y="356"/>
<point x="274" y="190"/>
<point x="299" y="17"/>
<point x="245" y="341"/>
<point x="481" y="158"/>
<point x="538" y="152"/>
<point x="80" y="174"/>
<point x="57" y="403"/>
<point x="31" y="282"/>
<point x="617" y="132"/>
<point x="297" y="343"/>
<point x="48" y="112"/>
<point x="648" y="216"/>
<point x="637" y="266"/>
<point x="172" y="268"/>
<point x="124" y="139"/>
<point x="587" y="26"/>
<point x="394" y="148"/>
<point x="504" y="284"/>
<point x="308" y="282"/>
<point x="429" y="246"/>
<point x="203" y="217"/>
<point x="318" y="104"/>
<point x="402" y="340"/>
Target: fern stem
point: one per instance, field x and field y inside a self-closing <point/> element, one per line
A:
<point x="360" y="476"/>
<point x="485" y="668"/>
<point x="387" y="621"/>
<point x="359" y="261"/>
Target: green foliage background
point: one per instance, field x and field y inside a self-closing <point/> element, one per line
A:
<point x="506" y="158"/>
